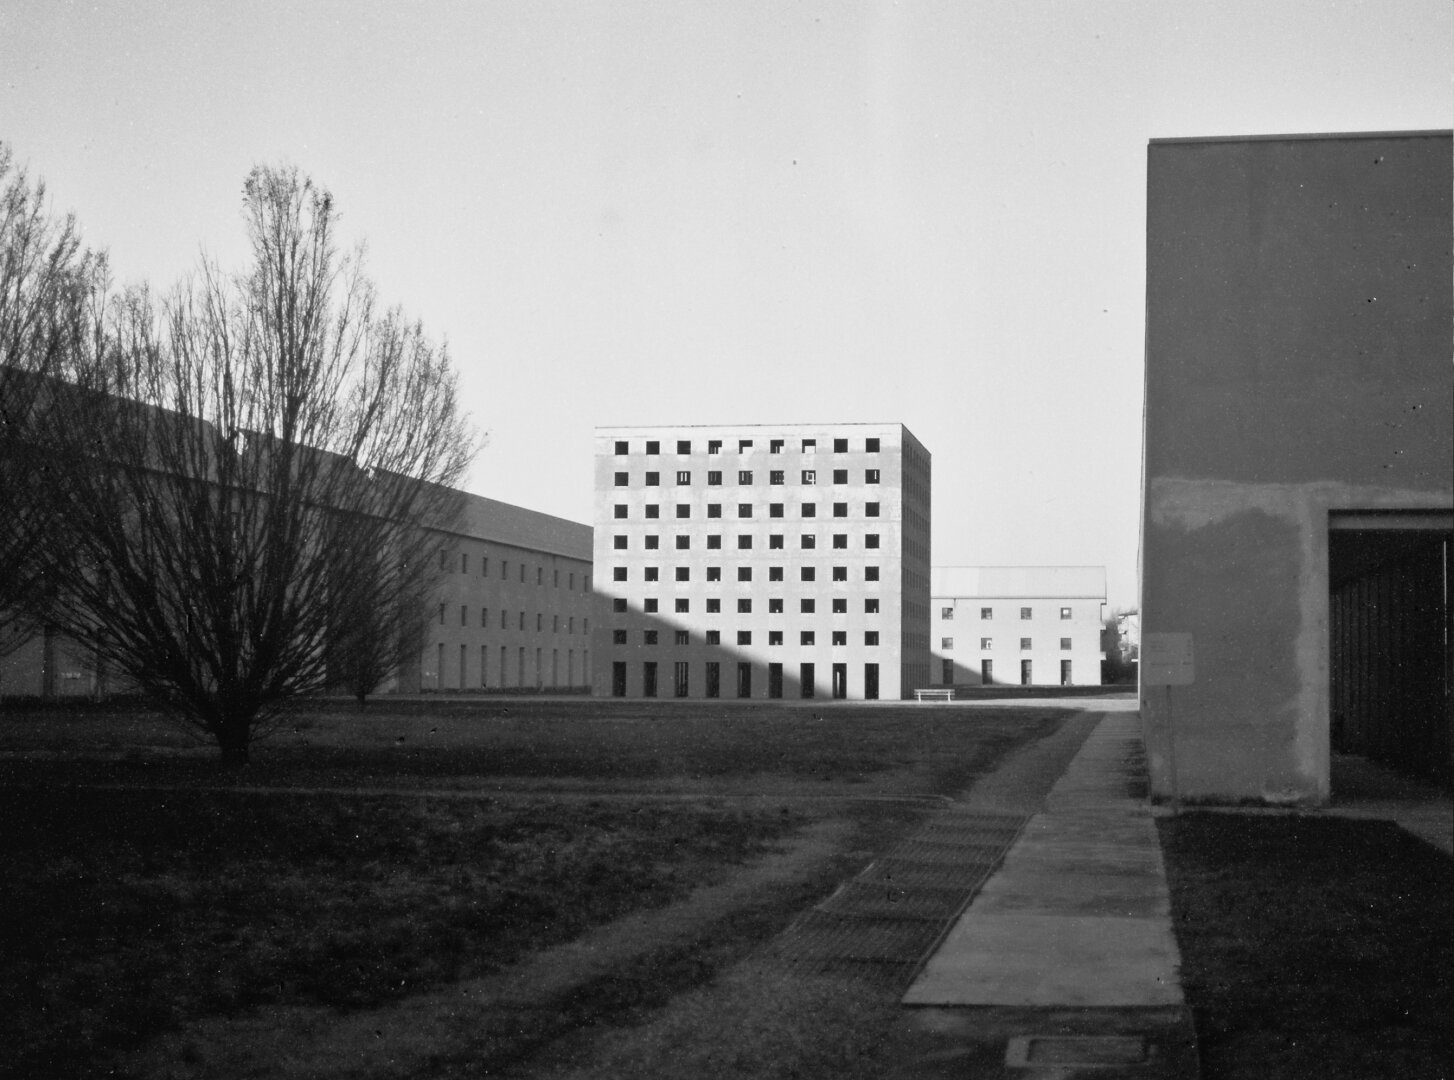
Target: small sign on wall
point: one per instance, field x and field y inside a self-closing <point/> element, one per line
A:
<point x="1166" y="660"/>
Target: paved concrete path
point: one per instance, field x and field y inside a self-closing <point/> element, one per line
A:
<point x="1078" y="915"/>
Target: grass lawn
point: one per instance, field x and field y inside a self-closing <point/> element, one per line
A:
<point x="1313" y="947"/>
<point x="901" y="749"/>
<point x="145" y="890"/>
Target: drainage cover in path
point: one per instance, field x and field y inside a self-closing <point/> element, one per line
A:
<point x="1081" y="1051"/>
<point x="881" y="925"/>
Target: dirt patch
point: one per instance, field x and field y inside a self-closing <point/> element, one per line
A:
<point x="428" y="1030"/>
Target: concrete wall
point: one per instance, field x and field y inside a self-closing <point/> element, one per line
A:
<point x="1298" y="337"/>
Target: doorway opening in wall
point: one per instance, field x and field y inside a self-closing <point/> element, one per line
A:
<point x="840" y="681"/>
<point x="774" y="680"/>
<point x="870" y="682"/>
<point x="618" y="678"/>
<point x="1391" y="651"/>
<point x="987" y="672"/>
<point x="1026" y="672"/>
<point x="1065" y="679"/>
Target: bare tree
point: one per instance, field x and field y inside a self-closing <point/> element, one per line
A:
<point x="374" y="641"/>
<point x="49" y="287"/>
<point x="249" y="465"/>
<point x="1120" y="650"/>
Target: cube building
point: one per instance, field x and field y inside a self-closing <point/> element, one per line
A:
<point x="761" y="561"/>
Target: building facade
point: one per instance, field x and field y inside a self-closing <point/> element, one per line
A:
<point x="1298" y="462"/>
<point x="1017" y="625"/>
<point x="787" y="561"/>
<point x="511" y="610"/>
<point x="514" y="604"/>
<point x="47" y="664"/>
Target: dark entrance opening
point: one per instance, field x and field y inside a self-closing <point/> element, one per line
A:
<point x="840" y="681"/>
<point x="744" y="679"/>
<point x="618" y="678"/>
<point x="774" y="680"/>
<point x="1390" y="642"/>
<point x="870" y="682"/>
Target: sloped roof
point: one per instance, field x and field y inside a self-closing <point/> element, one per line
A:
<point x="1018" y="581"/>
<point x="503" y="523"/>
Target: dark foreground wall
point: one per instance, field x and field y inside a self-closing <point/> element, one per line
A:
<point x="1298" y="365"/>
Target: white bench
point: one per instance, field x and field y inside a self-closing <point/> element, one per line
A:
<point x="934" y="695"/>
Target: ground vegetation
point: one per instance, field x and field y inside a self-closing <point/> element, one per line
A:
<point x="1313" y="946"/>
<point x="437" y="891"/>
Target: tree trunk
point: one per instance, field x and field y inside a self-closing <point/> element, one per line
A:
<point x="233" y="739"/>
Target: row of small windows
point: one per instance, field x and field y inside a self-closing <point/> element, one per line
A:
<point x="464" y="620"/>
<point x="464" y="568"/>
<point x="986" y="644"/>
<point x="744" y="637"/>
<point x="746" y="510"/>
<point x="683" y="605"/>
<point x="989" y="613"/>
<point x="745" y="446"/>
<point x="775" y="541"/>
<point x="744" y="573"/>
<point x="712" y="671"/>
<point x="775" y="477"/>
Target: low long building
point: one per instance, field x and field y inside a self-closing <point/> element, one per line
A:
<point x="512" y="610"/>
<point x="1025" y="625"/>
<point x="515" y="604"/>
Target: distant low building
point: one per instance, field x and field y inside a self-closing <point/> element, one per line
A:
<point x="1017" y="625"/>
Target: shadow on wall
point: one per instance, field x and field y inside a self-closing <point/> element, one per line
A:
<point x="652" y="656"/>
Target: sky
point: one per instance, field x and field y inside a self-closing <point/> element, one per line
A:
<point x="677" y="212"/>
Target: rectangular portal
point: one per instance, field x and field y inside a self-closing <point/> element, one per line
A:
<point x="1390" y="642"/>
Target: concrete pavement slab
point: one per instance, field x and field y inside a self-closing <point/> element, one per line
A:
<point x="1052" y="961"/>
<point x="1078" y="914"/>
